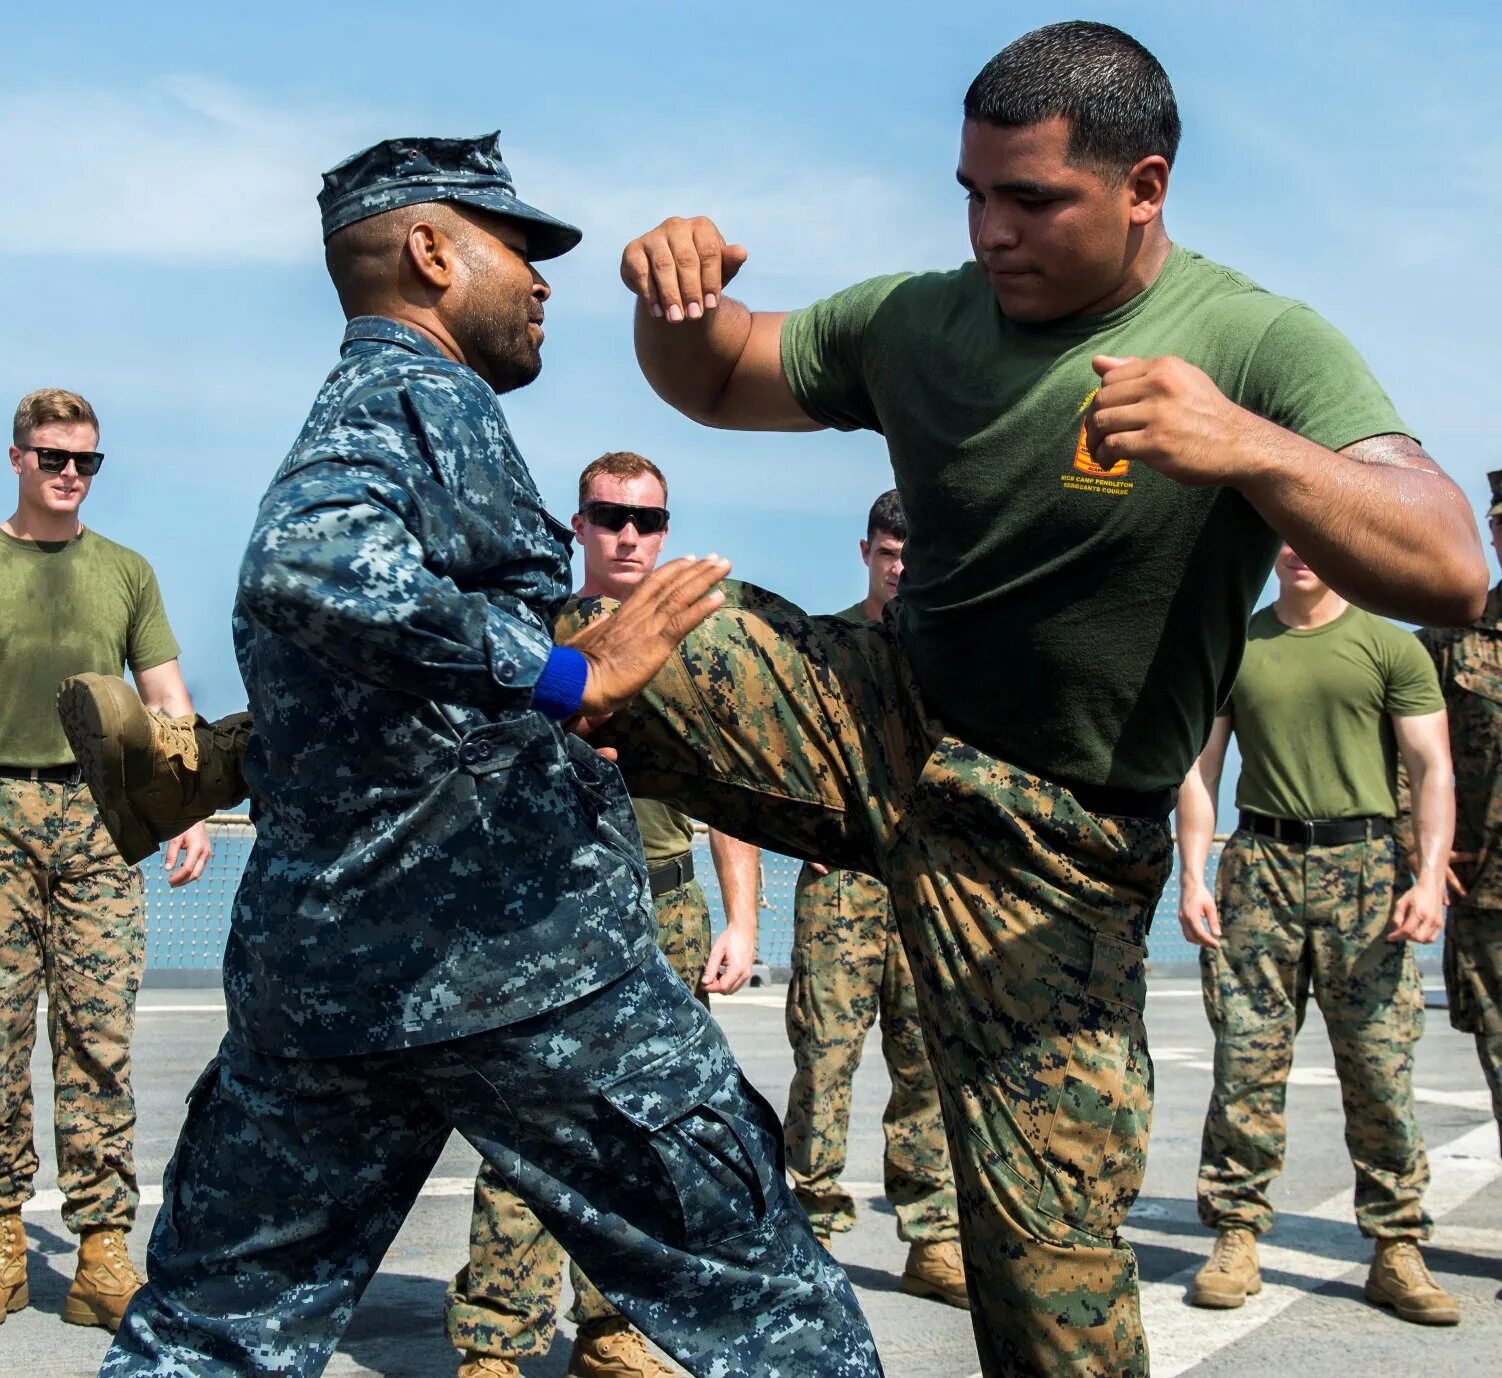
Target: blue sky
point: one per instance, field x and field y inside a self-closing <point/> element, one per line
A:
<point x="161" y="165"/>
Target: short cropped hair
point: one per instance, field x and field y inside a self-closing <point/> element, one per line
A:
<point x="45" y="407"/>
<point x="621" y="464"/>
<point x="887" y="515"/>
<point x="1114" y="93"/>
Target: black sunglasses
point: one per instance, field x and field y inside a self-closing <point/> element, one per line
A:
<point x="613" y="516"/>
<point x="49" y="461"/>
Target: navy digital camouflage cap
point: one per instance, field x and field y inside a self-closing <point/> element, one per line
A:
<point x="406" y="172"/>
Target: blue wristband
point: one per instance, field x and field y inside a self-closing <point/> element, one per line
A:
<point x="560" y="688"/>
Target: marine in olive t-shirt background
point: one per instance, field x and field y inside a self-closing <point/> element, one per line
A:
<point x="849" y="973"/>
<point x="1308" y="903"/>
<point x="1469" y="661"/>
<point x="72" y="917"/>
<point x="503" y="1305"/>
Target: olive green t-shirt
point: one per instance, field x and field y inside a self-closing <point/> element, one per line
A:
<point x="855" y="615"/>
<point x="69" y="607"/>
<point x="665" y="833"/>
<point x="1079" y="623"/>
<point x="1312" y="711"/>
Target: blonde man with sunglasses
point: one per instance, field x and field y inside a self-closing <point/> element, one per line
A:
<point x="71" y="912"/>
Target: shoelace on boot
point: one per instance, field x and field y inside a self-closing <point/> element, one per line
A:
<point x="1227" y="1251"/>
<point x="175" y="736"/>
<point x="1408" y="1263"/>
<point x="120" y="1261"/>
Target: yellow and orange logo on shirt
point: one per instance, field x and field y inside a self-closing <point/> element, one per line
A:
<point x="1098" y="478"/>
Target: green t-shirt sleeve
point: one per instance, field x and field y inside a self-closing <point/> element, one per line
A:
<point x="1306" y="376"/>
<point x="824" y="355"/>
<point x="1412" y="684"/>
<point x="149" y="641"/>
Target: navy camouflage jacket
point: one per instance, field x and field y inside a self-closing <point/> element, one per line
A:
<point x="433" y="856"/>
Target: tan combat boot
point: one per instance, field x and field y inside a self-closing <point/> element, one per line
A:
<point x="15" y="1293"/>
<point x="152" y="776"/>
<point x="1400" y="1279"/>
<point x="1232" y="1274"/>
<point x="937" y="1271"/>
<point x="612" y="1349"/>
<point x="105" y="1282"/>
<point x="476" y="1365"/>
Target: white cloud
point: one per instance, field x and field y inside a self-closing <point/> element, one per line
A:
<point x="804" y="219"/>
<point x="185" y="168"/>
<point x="182" y="168"/>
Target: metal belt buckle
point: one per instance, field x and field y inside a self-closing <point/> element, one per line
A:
<point x="1306" y="826"/>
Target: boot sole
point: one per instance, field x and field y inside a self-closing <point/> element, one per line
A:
<point x="76" y="1312"/>
<point x="1380" y="1298"/>
<point x="916" y="1287"/>
<point x="110" y="734"/>
<point x="20" y="1299"/>
<point x="1224" y="1301"/>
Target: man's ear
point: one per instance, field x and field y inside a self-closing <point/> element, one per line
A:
<point x="865" y="552"/>
<point x="15" y="461"/>
<point x="432" y="254"/>
<point x="1148" y="184"/>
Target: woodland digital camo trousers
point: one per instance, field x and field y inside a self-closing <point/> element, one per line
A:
<point x="1296" y="919"/>
<point x="1473" y="983"/>
<point x="1024" y="918"/>
<point x="504" y="1301"/>
<point x="71" y="921"/>
<point x="850" y="972"/>
<point x="621" y="1118"/>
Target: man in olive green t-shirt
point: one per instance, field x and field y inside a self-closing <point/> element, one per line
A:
<point x="71" y="911"/>
<point x="1099" y="438"/>
<point x="502" y="1305"/>
<point x="1327" y="699"/>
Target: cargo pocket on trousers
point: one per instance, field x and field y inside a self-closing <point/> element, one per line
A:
<point x="1096" y="1149"/>
<point x="699" y="1121"/>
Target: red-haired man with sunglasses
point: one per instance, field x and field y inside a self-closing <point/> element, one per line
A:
<point x="71" y="911"/>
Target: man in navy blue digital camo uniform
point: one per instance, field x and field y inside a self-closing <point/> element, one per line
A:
<point x="444" y="923"/>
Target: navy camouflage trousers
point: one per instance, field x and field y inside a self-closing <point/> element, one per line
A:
<point x="623" y="1121"/>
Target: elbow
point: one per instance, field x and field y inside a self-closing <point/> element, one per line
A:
<point x="1461" y="599"/>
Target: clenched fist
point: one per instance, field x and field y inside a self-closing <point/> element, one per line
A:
<point x="1169" y="415"/>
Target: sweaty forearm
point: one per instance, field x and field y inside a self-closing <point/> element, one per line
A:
<point x="688" y="363"/>
<point x="1388" y="531"/>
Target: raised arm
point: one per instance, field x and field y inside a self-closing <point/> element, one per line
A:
<point x="1195" y="820"/>
<point x="702" y="352"/>
<point x="1378" y="520"/>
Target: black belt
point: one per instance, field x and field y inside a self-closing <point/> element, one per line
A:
<point x="669" y="875"/>
<point x="1315" y="832"/>
<point x="61" y="775"/>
